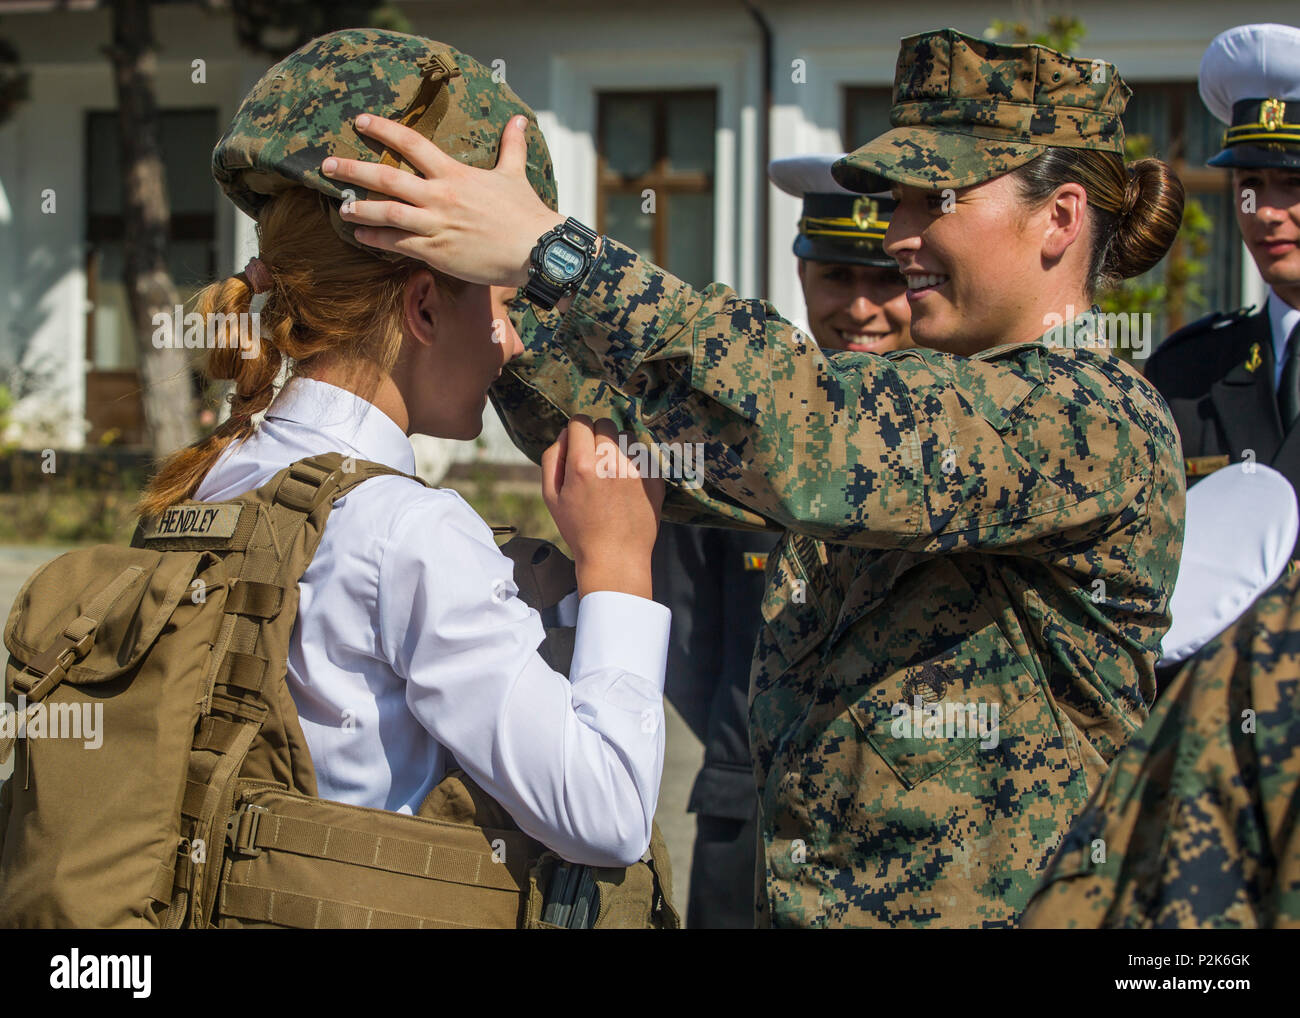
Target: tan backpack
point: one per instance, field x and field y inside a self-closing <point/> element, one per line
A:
<point x="162" y="778"/>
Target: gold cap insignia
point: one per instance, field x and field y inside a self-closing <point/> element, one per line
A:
<point x="1271" y="113"/>
<point x="864" y="212"/>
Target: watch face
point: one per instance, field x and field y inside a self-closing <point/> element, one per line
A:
<point x="561" y="262"/>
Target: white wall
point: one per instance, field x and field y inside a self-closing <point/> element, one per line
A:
<point x="42" y="320"/>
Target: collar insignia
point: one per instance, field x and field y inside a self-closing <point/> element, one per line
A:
<point x="1255" y="359"/>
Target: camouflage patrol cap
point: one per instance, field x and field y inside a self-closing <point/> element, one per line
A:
<point x="303" y="109"/>
<point x="967" y="110"/>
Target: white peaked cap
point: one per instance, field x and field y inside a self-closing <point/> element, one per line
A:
<point x="1250" y="62"/>
<point x="1240" y="529"/>
<point x="801" y="175"/>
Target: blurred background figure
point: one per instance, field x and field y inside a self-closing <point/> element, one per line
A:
<point x="713" y="579"/>
<point x="855" y="295"/>
<point x="1232" y="380"/>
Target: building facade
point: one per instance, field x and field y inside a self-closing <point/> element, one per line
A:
<point x="660" y="121"/>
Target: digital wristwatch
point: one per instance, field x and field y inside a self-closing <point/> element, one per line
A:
<point x="559" y="263"/>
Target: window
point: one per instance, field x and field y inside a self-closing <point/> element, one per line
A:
<point x="655" y="176"/>
<point x="866" y="114"/>
<point x="113" y="404"/>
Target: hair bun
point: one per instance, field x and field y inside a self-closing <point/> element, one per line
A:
<point x="1149" y="219"/>
<point x="1132" y="190"/>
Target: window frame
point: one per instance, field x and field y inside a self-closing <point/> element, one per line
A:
<point x="663" y="181"/>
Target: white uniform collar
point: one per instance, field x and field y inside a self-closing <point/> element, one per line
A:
<point x="353" y="424"/>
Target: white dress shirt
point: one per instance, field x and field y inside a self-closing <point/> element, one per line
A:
<point x="1282" y="318"/>
<point x="411" y="648"/>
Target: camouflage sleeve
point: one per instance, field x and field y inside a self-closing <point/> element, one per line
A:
<point x="541" y="389"/>
<point x="917" y="449"/>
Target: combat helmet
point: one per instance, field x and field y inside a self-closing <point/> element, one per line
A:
<point x="303" y="109"/>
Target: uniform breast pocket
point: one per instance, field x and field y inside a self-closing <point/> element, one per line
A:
<point x="928" y="676"/>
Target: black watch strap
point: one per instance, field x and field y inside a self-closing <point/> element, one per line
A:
<point x="542" y="291"/>
<point x="546" y="291"/>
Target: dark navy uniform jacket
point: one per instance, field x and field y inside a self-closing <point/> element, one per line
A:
<point x="701" y="573"/>
<point x="1216" y="374"/>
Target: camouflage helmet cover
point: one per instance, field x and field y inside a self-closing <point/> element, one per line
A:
<point x="302" y="110"/>
<point x="967" y="110"/>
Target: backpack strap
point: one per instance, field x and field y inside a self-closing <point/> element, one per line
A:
<point x="307" y="489"/>
<point x="299" y="500"/>
<point x="306" y="484"/>
<point x="246" y="687"/>
<point x="543" y="573"/>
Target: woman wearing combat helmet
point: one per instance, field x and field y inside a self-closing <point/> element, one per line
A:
<point x="981" y="534"/>
<point x="411" y="653"/>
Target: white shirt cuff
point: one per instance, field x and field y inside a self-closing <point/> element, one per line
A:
<point x="622" y="632"/>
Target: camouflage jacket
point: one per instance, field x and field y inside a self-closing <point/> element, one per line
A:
<point x="1196" y="822"/>
<point x="990" y="537"/>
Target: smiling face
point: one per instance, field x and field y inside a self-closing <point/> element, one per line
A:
<point x="1272" y="230"/>
<point x="862" y="308"/>
<point x="975" y="260"/>
<point x="454" y="349"/>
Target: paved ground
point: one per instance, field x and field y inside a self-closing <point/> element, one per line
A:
<point x="685" y="753"/>
<point x="683" y="762"/>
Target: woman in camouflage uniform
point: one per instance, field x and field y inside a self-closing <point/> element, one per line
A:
<point x="981" y="534"/>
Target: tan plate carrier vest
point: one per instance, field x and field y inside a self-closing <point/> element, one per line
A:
<point x="198" y="806"/>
